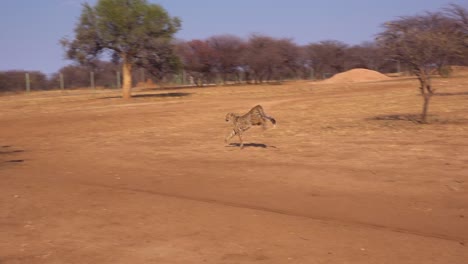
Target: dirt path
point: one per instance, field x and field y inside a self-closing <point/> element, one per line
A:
<point x="93" y="179"/>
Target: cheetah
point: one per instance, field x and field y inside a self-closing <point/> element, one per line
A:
<point x="255" y="117"/>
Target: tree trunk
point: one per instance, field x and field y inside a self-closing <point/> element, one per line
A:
<point x="127" y="77"/>
<point x="427" y="98"/>
<point x="426" y="92"/>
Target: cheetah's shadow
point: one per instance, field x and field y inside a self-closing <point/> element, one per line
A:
<point x="251" y="145"/>
<point x="7" y="152"/>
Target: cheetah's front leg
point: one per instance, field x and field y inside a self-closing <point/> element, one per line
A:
<point x="233" y="132"/>
<point x="240" y="139"/>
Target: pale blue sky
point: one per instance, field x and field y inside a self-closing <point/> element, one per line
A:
<point x="31" y="29"/>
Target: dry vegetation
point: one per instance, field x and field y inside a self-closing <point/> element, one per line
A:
<point x="347" y="176"/>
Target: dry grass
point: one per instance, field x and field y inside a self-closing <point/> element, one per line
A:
<point x="347" y="176"/>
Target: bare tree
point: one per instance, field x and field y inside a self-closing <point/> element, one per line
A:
<point x="14" y="81"/>
<point x="289" y="59"/>
<point x="228" y="51"/>
<point x="198" y="59"/>
<point x="460" y="18"/>
<point x="424" y="42"/>
<point x="268" y="58"/>
<point x="367" y="55"/>
<point x="260" y="56"/>
<point x="74" y="76"/>
<point x="78" y="75"/>
<point x="327" y="57"/>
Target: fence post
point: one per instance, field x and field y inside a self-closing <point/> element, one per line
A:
<point x="28" y="84"/>
<point x="92" y="80"/>
<point x="61" y="82"/>
<point x="118" y="80"/>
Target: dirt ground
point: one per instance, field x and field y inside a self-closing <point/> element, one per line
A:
<point x="347" y="176"/>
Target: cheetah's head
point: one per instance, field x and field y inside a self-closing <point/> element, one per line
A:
<point x="230" y="117"/>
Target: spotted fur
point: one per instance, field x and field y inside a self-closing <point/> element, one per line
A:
<point x="255" y="117"/>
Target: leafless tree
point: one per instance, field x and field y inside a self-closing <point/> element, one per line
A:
<point x="268" y="58"/>
<point x="198" y="59"/>
<point x="327" y="57"/>
<point x="14" y="81"/>
<point x="424" y="42"/>
<point x="79" y="75"/>
<point x="229" y="52"/>
<point x="460" y="18"/>
<point x="259" y="57"/>
<point x="290" y="62"/>
<point x="366" y="55"/>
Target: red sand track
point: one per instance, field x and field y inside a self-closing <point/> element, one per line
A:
<point x="346" y="177"/>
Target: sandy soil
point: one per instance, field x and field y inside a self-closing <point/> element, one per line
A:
<point x="356" y="75"/>
<point x="347" y="176"/>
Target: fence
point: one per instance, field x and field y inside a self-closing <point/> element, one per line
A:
<point x="63" y="81"/>
<point x="92" y="81"/>
<point x="104" y="77"/>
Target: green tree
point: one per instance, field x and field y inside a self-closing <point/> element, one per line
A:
<point x="130" y="30"/>
<point x="424" y="42"/>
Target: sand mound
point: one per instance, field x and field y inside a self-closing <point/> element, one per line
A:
<point x="357" y="75"/>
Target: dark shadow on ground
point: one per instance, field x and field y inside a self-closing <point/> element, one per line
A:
<point x="160" y="95"/>
<point x="251" y="145"/>
<point x="208" y="85"/>
<point x="11" y="151"/>
<point x="451" y="94"/>
<point x="6" y="151"/>
<point x="416" y="118"/>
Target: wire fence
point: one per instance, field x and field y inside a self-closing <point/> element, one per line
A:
<point x="20" y="81"/>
